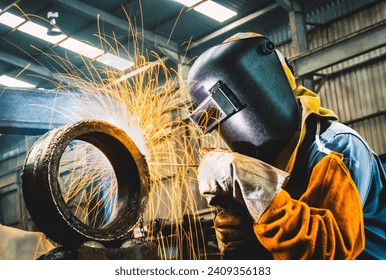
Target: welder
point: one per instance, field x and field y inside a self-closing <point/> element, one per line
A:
<point x="295" y="183"/>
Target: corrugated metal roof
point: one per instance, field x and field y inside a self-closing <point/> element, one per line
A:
<point x="165" y="22"/>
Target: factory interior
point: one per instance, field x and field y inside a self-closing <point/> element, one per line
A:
<point x="94" y="111"/>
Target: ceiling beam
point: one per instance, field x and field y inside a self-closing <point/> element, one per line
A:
<point x="350" y="46"/>
<point x="298" y="29"/>
<point x="117" y="22"/>
<point x="299" y="39"/>
<point x="285" y="4"/>
<point x="233" y="25"/>
<point x="41" y="71"/>
<point x="169" y="47"/>
<point x="23" y="63"/>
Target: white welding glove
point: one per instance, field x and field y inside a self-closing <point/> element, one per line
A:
<point x="247" y="180"/>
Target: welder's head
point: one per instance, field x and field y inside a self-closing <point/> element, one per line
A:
<point x="244" y="89"/>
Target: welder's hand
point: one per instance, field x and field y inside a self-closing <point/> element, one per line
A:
<point x="235" y="236"/>
<point x="248" y="181"/>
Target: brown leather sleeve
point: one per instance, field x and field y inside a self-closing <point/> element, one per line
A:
<point x="325" y="223"/>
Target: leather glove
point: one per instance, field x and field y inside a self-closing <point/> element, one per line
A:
<point x="250" y="182"/>
<point x="235" y="236"/>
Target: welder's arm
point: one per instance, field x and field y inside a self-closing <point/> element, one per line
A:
<point x="326" y="223"/>
<point x="250" y="182"/>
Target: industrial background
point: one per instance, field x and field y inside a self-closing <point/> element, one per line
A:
<point x="337" y="47"/>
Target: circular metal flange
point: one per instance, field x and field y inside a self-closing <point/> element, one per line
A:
<point x="42" y="190"/>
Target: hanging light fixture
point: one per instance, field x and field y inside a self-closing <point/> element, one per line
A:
<point x="53" y="29"/>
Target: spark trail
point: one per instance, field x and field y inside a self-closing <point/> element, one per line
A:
<point x="149" y="107"/>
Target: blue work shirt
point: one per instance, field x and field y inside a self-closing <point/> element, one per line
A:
<point x="367" y="172"/>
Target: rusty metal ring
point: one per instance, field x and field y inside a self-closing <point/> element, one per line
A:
<point x="42" y="193"/>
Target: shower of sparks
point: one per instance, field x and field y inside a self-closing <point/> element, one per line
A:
<point x="90" y="193"/>
<point x="151" y="107"/>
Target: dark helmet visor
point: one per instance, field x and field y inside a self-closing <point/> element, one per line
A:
<point x="220" y="104"/>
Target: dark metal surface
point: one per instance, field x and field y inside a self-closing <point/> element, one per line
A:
<point x="42" y="190"/>
<point x="136" y="251"/>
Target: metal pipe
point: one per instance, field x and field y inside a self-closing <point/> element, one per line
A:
<point x="44" y="194"/>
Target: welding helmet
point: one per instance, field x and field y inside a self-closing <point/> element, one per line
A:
<point x="244" y="89"/>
